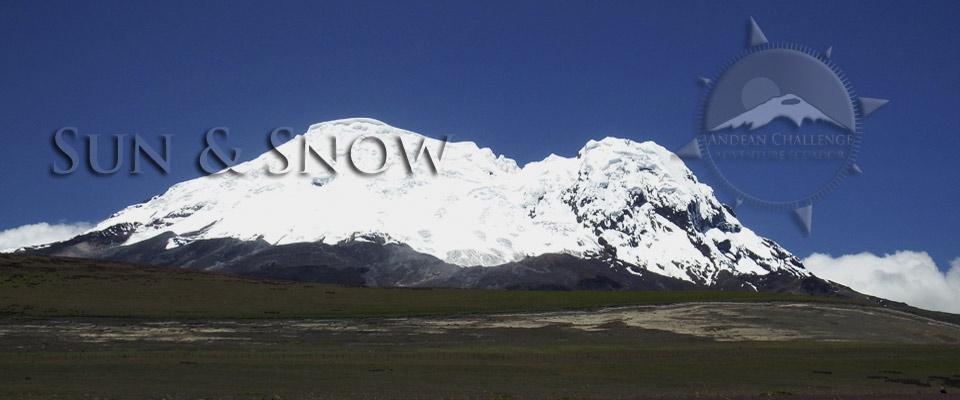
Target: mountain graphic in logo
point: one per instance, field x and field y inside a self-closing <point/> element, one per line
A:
<point x="789" y="106"/>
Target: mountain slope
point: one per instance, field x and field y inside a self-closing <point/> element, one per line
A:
<point x="621" y="214"/>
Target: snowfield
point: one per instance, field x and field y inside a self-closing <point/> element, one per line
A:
<point x="617" y="199"/>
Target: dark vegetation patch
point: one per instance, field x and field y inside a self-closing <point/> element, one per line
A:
<point x="41" y="286"/>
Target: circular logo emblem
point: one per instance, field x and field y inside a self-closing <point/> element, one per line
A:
<point x="780" y="125"/>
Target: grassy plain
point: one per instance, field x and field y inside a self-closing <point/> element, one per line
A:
<point x="88" y="329"/>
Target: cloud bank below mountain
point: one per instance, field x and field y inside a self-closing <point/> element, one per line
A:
<point x="907" y="276"/>
<point x="39" y="233"/>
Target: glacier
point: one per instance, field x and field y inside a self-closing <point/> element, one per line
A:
<point x="626" y="202"/>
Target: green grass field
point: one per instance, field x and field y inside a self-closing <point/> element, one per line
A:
<point x="61" y="317"/>
<point x="32" y="286"/>
<point x="549" y="371"/>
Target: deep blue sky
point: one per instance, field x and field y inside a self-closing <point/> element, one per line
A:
<point x="524" y="78"/>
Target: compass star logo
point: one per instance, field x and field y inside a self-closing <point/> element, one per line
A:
<point x="781" y="126"/>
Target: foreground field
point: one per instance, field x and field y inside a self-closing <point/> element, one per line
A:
<point x="470" y="357"/>
<point x="83" y="329"/>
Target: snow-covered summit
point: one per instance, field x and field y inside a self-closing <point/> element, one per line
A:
<point x="624" y="201"/>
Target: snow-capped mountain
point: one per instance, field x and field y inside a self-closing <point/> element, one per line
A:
<point x="788" y="106"/>
<point x="621" y="212"/>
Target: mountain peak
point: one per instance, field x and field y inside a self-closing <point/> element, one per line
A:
<point x="349" y="122"/>
<point x="632" y="205"/>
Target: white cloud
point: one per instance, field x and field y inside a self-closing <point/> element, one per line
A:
<point x="907" y="276"/>
<point x="34" y="234"/>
